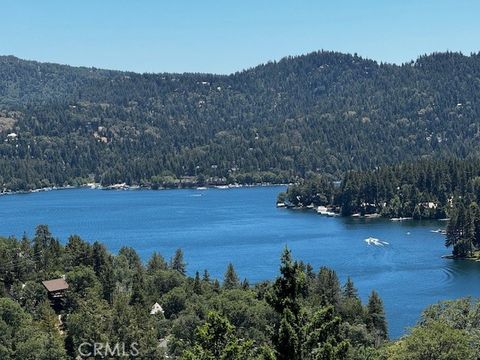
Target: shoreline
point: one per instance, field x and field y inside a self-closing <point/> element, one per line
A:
<point x="465" y="258"/>
<point x="325" y="211"/>
<point x="125" y="187"/>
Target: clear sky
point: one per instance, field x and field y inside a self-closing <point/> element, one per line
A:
<point x="223" y="36"/>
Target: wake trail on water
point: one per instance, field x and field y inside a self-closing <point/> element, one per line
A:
<point x="375" y="241"/>
<point x="451" y="273"/>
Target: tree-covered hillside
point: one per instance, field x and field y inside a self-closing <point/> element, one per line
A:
<point x="323" y="112"/>
<point x="155" y="311"/>
<point x="110" y="298"/>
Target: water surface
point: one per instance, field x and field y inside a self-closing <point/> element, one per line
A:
<point x="216" y="226"/>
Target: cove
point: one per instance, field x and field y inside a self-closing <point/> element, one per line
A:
<point x="243" y="226"/>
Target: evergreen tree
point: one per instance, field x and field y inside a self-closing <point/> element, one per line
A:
<point x="327" y="286"/>
<point x="323" y="338"/>
<point x="350" y="307"/>
<point x="206" y="276"/>
<point x="177" y="263"/>
<point x="156" y="262"/>
<point x="376" y="322"/>
<point x="230" y="280"/>
<point x="285" y="297"/>
<point x="349" y="290"/>
<point x="216" y="340"/>
<point x="197" y="285"/>
<point x="288" y="340"/>
<point x="46" y="249"/>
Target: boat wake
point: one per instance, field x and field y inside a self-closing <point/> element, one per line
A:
<point x="375" y="241"/>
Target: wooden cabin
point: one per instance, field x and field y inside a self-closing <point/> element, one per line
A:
<point x="56" y="288"/>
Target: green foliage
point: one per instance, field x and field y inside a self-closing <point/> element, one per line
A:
<point x="327" y="287"/>
<point x="289" y="287"/>
<point x="216" y="340"/>
<point x="230" y="280"/>
<point x="177" y="263"/>
<point x="422" y="189"/>
<point x="323" y="339"/>
<point x="461" y="314"/>
<point x="436" y="341"/>
<point x="24" y="339"/>
<point x="156" y="262"/>
<point x="462" y="229"/>
<point x="302" y="314"/>
<point x="272" y="123"/>
<point x="375" y="320"/>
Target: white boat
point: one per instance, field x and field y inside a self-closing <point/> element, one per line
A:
<point x="375" y="241"/>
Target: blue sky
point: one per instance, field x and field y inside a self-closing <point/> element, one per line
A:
<point x="226" y="36"/>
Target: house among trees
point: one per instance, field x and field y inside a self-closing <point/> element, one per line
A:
<point x="56" y="289"/>
<point x="156" y="308"/>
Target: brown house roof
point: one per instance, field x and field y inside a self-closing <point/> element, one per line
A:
<point x="55" y="285"/>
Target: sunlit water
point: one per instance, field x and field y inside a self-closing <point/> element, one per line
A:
<point x="216" y="226"/>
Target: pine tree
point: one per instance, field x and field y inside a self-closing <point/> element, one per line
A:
<point x="287" y="342"/>
<point x="138" y="288"/>
<point x="216" y="286"/>
<point x="177" y="262"/>
<point x="216" y="340"/>
<point x="323" y="338"/>
<point x="197" y="285"/>
<point x="285" y="298"/>
<point x="376" y="322"/>
<point x="156" y="262"/>
<point x="349" y="290"/>
<point x="350" y="307"/>
<point x="46" y="249"/>
<point x="230" y="280"/>
<point x="206" y="276"/>
<point x="327" y="286"/>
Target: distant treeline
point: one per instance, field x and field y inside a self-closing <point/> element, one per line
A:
<point x="322" y="112"/>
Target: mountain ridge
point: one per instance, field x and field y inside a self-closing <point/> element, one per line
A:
<point x="321" y="112"/>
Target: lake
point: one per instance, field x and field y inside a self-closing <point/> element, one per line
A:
<point x="242" y="225"/>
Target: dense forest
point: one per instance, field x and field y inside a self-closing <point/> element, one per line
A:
<point x="427" y="189"/>
<point x="323" y="112"/>
<point x="302" y="314"/>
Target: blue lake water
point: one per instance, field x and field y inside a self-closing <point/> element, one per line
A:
<point x="216" y="226"/>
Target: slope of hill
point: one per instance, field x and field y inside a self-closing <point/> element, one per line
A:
<point x="323" y="112"/>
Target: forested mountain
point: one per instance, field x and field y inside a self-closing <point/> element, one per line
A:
<point x="323" y="112"/>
